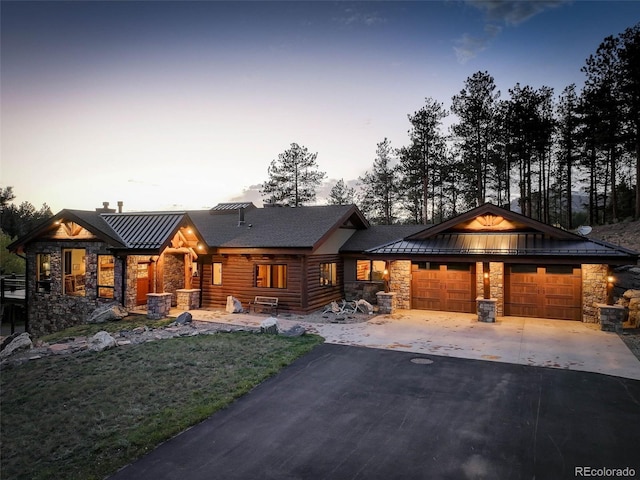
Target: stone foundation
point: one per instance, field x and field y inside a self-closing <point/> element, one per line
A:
<point x="365" y="290"/>
<point x="386" y="302"/>
<point x="486" y="308"/>
<point x="188" y="298"/>
<point x="158" y="305"/>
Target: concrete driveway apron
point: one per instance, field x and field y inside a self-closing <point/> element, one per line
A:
<point x="525" y="341"/>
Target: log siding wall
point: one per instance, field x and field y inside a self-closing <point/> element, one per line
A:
<point x="303" y="293"/>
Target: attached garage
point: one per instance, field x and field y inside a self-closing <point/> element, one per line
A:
<point x="490" y="257"/>
<point x="552" y="291"/>
<point x="447" y="287"/>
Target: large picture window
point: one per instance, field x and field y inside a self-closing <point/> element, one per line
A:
<point x="216" y="273"/>
<point x="370" y="270"/>
<point x="74" y="271"/>
<point x="271" y="276"/>
<point x="106" y="276"/>
<point x="43" y="272"/>
<point x="328" y="274"/>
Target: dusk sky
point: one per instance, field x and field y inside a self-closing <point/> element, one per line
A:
<point x="184" y="105"/>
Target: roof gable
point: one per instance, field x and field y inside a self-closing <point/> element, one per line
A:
<point x="490" y="218"/>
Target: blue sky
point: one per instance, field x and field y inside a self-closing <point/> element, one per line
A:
<point x="181" y="105"/>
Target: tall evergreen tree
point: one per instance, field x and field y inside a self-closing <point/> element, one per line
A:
<point x="427" y="149"/>
<point x="341" y="194"/>
<point x="568" y="126"/>
<point x="475" y="107"/>
<point x="379" y="187"/>
<point x="293" y="177"/>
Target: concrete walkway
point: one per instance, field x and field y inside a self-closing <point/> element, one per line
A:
<point x="525" y="341"/>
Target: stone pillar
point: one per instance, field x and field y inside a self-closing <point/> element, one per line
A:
<point x="188" y="298"/>
<point x="386" y="302"/>
<point x="594" y="291"/>
<point x="486" y="308"/>
<point x="400" y="282"/>
<point x="611" y="317"/>
<point x="158" y="305"/>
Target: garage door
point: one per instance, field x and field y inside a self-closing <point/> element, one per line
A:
<point x="543" y="291"/>
<point x="450" y="288"/>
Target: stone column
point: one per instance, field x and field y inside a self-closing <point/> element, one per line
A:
<point x="611" y="317"/>
<point x="386" y="302"/>
<point x="158" y="305"/>
<point x="188" y="298"/>
<point x="486" y="309"/>
<point x="400" y="282"/>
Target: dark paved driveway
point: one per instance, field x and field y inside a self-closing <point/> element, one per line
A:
<point x="357" y="413"/>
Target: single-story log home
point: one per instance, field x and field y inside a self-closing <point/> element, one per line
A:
<point x="307" y="257"/>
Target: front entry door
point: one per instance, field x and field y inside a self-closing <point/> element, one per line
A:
<point x="145" y="277"/>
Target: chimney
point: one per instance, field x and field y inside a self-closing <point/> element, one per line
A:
<point x="105" y="208"/>
<point x="240" y="216"/>
<point x="120" y="204"/>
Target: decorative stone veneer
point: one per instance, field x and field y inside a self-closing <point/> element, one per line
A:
<point x="188" y="298"/>
<point x="400" y="282"/>
<point x="486" y="308"/>
<point x="365" y="290"/>
<point x="611" y="317"/>
<point x="386" y="302"/>
<point x="54" y="310"/>
<point x="174" y="275"/>
<point x="158" y="305"/>
<point x="594" y="291"/>
<point x="131" y="282"/>
<point x="496" y="284"/>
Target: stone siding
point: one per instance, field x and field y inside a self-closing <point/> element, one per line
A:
<point x="594" y="291"/>
<point x="400" y="282"/>
<point x="496" y="284"/>
<point x="363" y="290"/>
<point x="54" y="310"/>
<point x="173" y="276"/>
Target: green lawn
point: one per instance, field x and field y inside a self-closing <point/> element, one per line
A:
<point x="84" y="416"/>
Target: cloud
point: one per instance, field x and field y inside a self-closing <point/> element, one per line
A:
<point x="351" y="16"/>
<point x="467" y="47"/>
<point x="499" y="13"/>
<point x="513" y="12"/>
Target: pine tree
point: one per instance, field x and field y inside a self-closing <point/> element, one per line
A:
<point x="293" y="177"/>
<point x="341" y="194"/>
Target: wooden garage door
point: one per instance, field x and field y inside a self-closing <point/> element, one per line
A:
<point x="450" y="288"/>
<point x="544" y="292"/>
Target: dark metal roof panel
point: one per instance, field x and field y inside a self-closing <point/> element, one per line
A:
<point x="144" y="230"/>
<point x="501" y="244"/>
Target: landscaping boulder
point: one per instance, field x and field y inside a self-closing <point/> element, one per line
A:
<point x="233" y="305"/>
<point x="20" y="342"/>
<point x="295" y="331"/>
<point x="107" y="313"/>
<point x="184" y="318"/>
<point x="269" y="325"/>
<point x="101" y="341"/>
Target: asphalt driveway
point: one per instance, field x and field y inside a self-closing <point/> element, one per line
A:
<point x="362" y="413"/>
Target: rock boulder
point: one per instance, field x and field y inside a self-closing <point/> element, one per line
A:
<point x="107" y="313"/>
<point x="101" y="341"/>
<point x="20" y="342"/>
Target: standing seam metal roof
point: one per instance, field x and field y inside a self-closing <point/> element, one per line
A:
<point x="144" y="231"/>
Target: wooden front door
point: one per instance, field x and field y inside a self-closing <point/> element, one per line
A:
<point x="450" y="288"/>
<point x="553" y="291"/>
<point x="144" y="285"/>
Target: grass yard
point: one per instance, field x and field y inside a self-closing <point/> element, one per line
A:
<point x="84" y="416"/>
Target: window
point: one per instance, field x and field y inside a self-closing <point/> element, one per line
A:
<point x="271" y="276"/>
<point x="370" y="270"/>
<point x="216" y="273"/>
<point x="43" y="272"/>
<point x="328" y="274"/>
<point x="73" y="271"/>
<point x="106" y="276"/>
